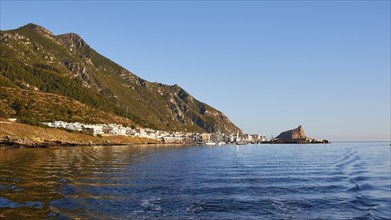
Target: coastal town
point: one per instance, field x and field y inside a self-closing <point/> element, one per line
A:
<point x="174" y="137"/>
<point x="61" y="133"/>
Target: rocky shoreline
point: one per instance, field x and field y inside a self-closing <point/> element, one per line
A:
<point x="9" y="142"/>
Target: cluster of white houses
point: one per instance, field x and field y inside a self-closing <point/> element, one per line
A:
<point x="163" y="136"/>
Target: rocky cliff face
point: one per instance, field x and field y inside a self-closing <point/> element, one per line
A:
<point x="66" y="65"/>
<point x="295" y="135"/>
<point x="72" y="40"/>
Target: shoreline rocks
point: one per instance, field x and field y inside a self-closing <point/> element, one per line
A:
<point x="10" y="142"/>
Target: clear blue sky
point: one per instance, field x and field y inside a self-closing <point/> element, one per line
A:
<point x="268" y="65"/>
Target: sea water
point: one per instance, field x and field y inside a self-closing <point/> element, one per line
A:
<point x="322" y="181"/>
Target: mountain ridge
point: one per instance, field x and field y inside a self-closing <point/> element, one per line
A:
<point x="33" y="55"/>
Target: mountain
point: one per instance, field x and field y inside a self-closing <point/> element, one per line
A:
<point x="33" y="58"/>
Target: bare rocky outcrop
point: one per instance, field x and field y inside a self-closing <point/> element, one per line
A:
<point x="295" y="135"/>
<point x="72" y="40"/>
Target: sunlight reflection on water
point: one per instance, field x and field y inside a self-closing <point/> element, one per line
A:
<point x="334" y="181"/>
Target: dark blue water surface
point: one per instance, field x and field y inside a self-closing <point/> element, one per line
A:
<point x="333" y="181"/>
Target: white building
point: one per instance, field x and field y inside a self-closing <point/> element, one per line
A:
<point x="96" y="129"/>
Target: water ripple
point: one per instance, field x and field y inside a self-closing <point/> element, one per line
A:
<point x="335" y="181"/>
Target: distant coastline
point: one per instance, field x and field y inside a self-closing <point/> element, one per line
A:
<point x="18" y="135"/>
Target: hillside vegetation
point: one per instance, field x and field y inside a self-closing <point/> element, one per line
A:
<point x="35" y="107"/>
<point x="35" y="60"/>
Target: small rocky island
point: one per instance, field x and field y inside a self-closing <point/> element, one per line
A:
<point x="296" y="136"/>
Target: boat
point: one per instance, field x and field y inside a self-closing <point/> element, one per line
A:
<point x="210" y="143"/>
<point x="238" y="141"/>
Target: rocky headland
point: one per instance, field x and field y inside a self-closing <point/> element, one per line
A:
<point x="296" y="136"/>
